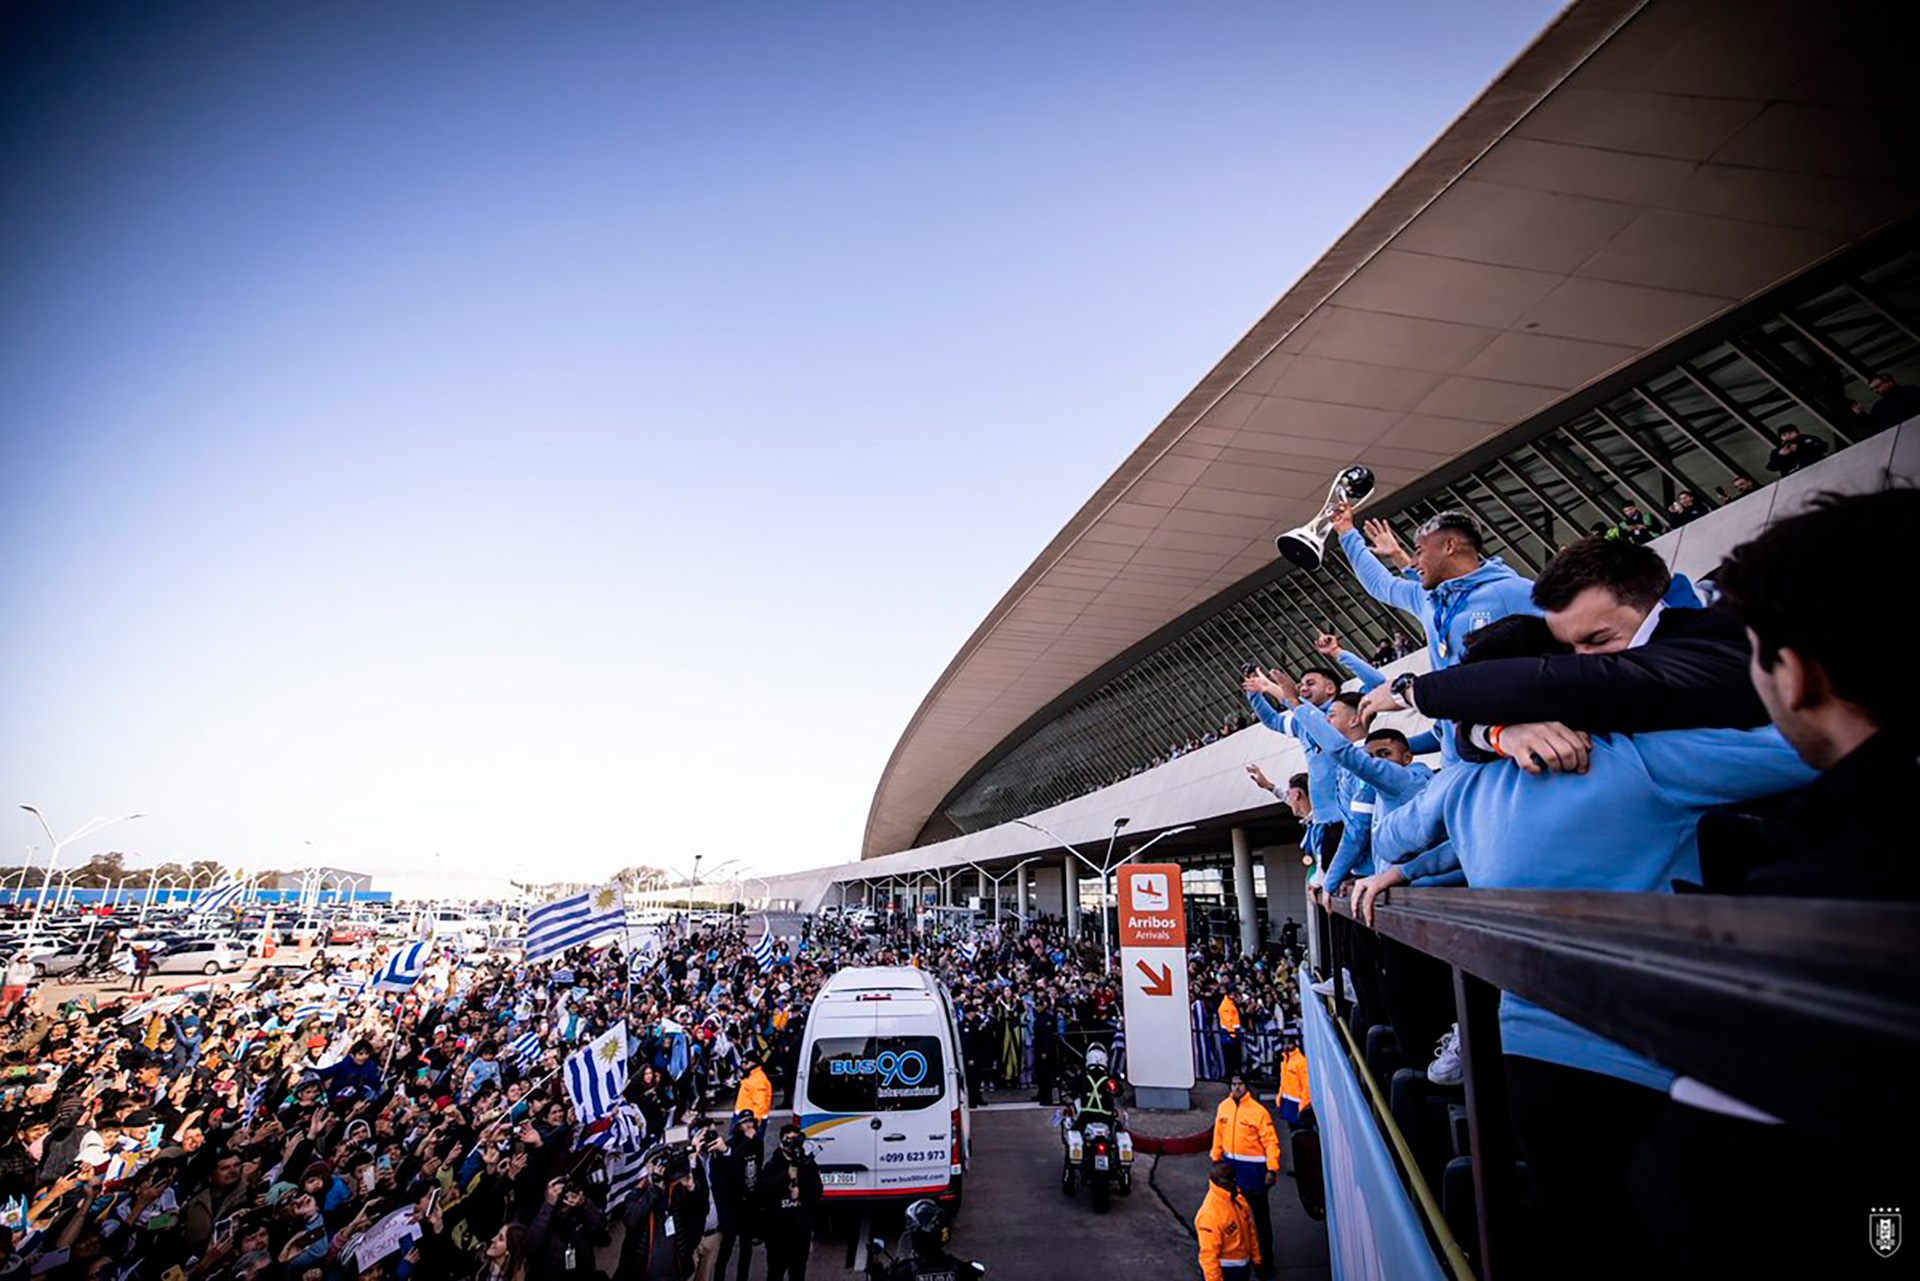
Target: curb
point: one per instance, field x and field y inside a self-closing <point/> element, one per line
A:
<point x="1173" y="1145"/>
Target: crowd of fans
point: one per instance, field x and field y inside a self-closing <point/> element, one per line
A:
<point x="1603" y="728"/>
<point x="278" y="1125"/>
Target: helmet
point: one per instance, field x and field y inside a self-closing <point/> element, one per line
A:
<point x="924" y="1217"/>
<point x="1097" y="1057"/>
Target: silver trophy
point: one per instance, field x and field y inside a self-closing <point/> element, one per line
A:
<point x="1307" y="545"/>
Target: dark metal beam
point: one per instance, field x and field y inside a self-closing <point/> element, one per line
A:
<point x="1710" y="987"/>
<point x="1780" y="379"/>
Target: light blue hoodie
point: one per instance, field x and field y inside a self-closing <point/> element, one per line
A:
<point x="1448" y="612"/>
<point x="1374" y="788"/>
<point x="1323" y="776"/>
<point x="1629" y="823"/>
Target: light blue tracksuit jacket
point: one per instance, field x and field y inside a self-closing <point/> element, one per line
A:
<point x="1629" y="823"/>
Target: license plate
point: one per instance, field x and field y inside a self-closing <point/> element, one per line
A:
<point x="1099" y="1163"/>
<point x="837" y="1179"/>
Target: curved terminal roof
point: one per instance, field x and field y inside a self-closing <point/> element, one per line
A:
<point x="1643" y="167"/>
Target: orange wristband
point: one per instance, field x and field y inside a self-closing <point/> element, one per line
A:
<point x="1493" y="736"/>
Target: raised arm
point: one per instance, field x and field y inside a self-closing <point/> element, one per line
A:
<point x="1397" y="781"/>
<point x="1370" y="676"/>
<point x="1378" y="581"/>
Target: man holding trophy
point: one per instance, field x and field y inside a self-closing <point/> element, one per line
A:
<point x="1455" y="588"/>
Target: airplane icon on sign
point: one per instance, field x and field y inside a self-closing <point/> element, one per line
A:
<point x="1150" y="892"/>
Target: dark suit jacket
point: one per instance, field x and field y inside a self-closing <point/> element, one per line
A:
<point x="1849" y="835"/>
<point x="1691" y="674"/>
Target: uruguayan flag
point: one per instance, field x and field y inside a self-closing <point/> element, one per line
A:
<point x="314" y="1010"/>
<point x="763" y="950"/>
<point x="624" y="1170"/>
<point x="405" y="969"/>
<point x="597" y="1075"/>
<point x="220" y="898"/>
<point x="622" y="1130"/>
<point x="969" y="948"/>
<point x="568" y="922"/>
<point x="525" y="1048"/>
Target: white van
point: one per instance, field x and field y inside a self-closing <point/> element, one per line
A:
<point x="882" y="1088"/>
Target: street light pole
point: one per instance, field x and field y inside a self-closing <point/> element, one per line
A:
<point x="55" y="845"/>
<point x="1104" y="870"/>
<point x="1003" y="876"/>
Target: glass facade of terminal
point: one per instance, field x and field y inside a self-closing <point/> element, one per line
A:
<point x="1700" y="416"/>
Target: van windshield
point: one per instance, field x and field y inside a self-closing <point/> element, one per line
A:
<point x="875" y="1074"/>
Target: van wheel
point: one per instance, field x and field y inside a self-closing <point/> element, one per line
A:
<point x="959" y="1199"/>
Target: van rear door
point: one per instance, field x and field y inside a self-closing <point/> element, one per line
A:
<point x="914" y="1100"/>
<point x="837" y="1112"/>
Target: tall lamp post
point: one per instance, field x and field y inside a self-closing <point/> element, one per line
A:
<point x="1105" y="870"/>
<point x="55" y="845"/>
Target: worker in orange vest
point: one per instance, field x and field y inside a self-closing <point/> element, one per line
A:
<point x="1244" y="1138"/>
<point x="756" y="1091"/>
<point x="1228" y="1249"/>
<point x="1296" y="1093"/>
<point x="1230" y="1029"/>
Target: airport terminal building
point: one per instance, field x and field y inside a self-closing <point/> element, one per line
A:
<point x="1666" y="234"/>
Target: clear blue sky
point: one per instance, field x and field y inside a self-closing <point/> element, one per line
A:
<point x="542" y="437"/>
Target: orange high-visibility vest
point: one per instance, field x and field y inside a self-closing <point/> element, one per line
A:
<point x="1244" y="1131"/>
<point x="1229" y="1016"/>
<point x="1295" y="1089"/>
<point x="755" y="1095"/>
<point x="1224" y="1225"/>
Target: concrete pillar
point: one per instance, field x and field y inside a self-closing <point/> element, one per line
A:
<point x="1243" y="893"/>
<point x="1070" y="893"/>
<point x="1273" y="862"/>
<point x="1047" y="898"/>
<point x="1020" y="892"/>
<point x="985" y="892"/>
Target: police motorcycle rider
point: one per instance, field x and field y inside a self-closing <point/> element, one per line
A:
<point x="1096" y="1097"/>
<point x="925" y="1257"/>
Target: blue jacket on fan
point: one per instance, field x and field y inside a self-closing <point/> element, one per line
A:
<point x="1629" y="823"/>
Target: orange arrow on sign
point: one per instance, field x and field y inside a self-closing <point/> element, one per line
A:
<point x="1160" y="984"/>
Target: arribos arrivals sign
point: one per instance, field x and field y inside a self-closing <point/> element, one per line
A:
<point x="1153" y="974"/>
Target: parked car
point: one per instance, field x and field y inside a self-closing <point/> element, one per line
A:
<point x="64" y="959"/>
<point x="348" y="935"/>
<point x="200" y="956"/>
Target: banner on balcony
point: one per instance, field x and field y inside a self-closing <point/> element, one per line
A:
<point x="1373" y="1226"/>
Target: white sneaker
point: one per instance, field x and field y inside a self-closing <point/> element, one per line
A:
<point x="1446" y="1068"/>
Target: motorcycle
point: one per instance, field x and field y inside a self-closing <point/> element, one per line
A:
<point x="1102" y="1156"/>
<point x="883" y="1266"/>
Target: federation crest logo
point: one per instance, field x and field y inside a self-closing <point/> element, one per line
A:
<point x="1883" y="1230"/>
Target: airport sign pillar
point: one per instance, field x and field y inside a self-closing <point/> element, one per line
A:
<point x="1153" y="976"/>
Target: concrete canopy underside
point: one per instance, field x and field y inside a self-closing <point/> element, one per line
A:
<point x="1641" y="169"/>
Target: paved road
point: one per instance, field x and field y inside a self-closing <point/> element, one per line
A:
<point x="1018" y="1222"/>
